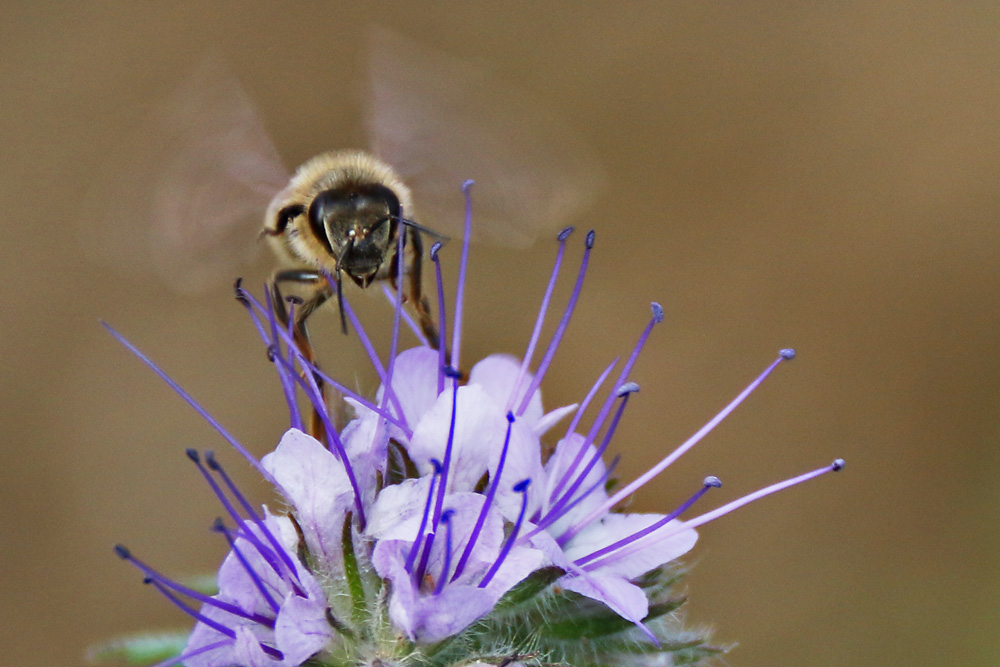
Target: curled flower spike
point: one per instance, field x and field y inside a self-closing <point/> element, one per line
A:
<point x="435" y="528"/>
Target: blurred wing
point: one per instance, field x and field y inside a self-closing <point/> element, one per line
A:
<point x="185" y="196"/>
<point x="440" y="121"/>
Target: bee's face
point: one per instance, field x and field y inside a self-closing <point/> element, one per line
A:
<point x="340" y="212"/>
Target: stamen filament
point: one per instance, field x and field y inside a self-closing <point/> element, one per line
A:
<point x="153" y="575"/>
<point x="522" y="488"/>
<point x="376" y="362"/>
<point x="558" y="509"/>
<point x="609" y="401"/>
<point x="836" y="466"/>
<point x="550" y="352"/>
<point x="540" y="319"/>
<point x="487" y="503"/>
<point x="592" y="488"/>
<point x="446" y="464"/>
<point x="407" y="319"/>
<point x="227" y="436"/>
<point x="307" y="381"/>
<point x="711" y="482"/>
<point x="252" y="307"/>
<point x="271" y="558"/>
<point x="284" y="376"/>
<point x="589" y="397"/>
<point x="677" y="453"/>
<point x="191" y="611"/>
<point x="220" y="527"/>
<point x="170" y="662"/>
<point x="446" y="567"/>
<point x="415" y="547"/>
<point x="456" y="341"/>
<point x="442" y="316"/>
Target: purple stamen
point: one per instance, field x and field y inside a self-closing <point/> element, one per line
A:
<point x="216" y="467"/>
<point x="446" y="520"/>
<point x="593" y="487"/>
<point x="676" y="454"/>
<point x="622" y="379"/>
<point x="550" y="352"/>
<point x="196" y="652"/>
<point x="373" y="356"/>
<point x="309" y="368"/>
<point x="314" y="370"/>
<point x="540" y="319"/>
<point x="559" y="508"/>
<point x="287" y="384"/>
<point x="487" y="504"/>
<point x="264" y="551"/>
<point x="194" y="404"/>
<point x="190" y="611"/>
<point x="589" y="397"/>
<point x="415" y="547"/>
<point x="246" y="300"/>
<point x="446" y="466"/>
<point x="836" y="466"/>
<point x="397" y="312"/>
<point x="153" y="575"/>
<point x="522" y="488"/>
<point x="410" y="323"/>
<point x="307" y="382"/>
<point x="220" y="527"/>
<point x="711" y="482"/>
<point x="456" y="341"/>
<point x="380" y="436"/>
<point x="442" y="318"/>
<point x="215" y="625"/>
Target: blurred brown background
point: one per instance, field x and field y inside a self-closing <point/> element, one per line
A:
<point x="823" y="177"/>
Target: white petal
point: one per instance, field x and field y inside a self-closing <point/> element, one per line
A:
<point x="497" y="374"/>
<point x="414" y="381"/>
<point x="301" y="629"/>
<point x="479" y="431"/>
<point x="566" y="452"/>
<point x="623" y="597"/>
<point x="552" y="418"/>
<point x="317" y="486"/>
<point x="639" y="557"/>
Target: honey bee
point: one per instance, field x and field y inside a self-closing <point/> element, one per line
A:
<point x="204" y="165"/>
<point x="342" y="213"/>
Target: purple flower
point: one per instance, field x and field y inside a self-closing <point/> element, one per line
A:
<point x="433" y="528"/>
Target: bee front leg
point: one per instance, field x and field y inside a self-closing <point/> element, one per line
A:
<point x="319" y="291"/>
<point x="420" y="303"/>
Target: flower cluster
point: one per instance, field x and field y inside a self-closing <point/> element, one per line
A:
<point x="436" y="528"/>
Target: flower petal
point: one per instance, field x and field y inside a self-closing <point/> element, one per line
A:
<point x="317" y="486"/>
<point x="301" y="629"/>
<point x="623" y="597"/>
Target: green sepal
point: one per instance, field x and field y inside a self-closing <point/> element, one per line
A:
<point x="591" y="621"/>
<point x="352" y="574"/>
<point x="529" y="587"/>
<point x="141" y="649"/>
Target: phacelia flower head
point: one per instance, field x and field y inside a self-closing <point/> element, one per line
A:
<point x="452" y="520"/>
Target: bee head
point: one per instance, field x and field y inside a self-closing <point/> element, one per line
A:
<point x="357" y="223"/>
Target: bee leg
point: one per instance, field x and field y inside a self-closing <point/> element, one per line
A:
<point x="321" y="291"/>
<point x="420" y="303"/>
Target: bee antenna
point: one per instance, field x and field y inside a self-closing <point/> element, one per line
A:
<point x="416" y="226"/>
